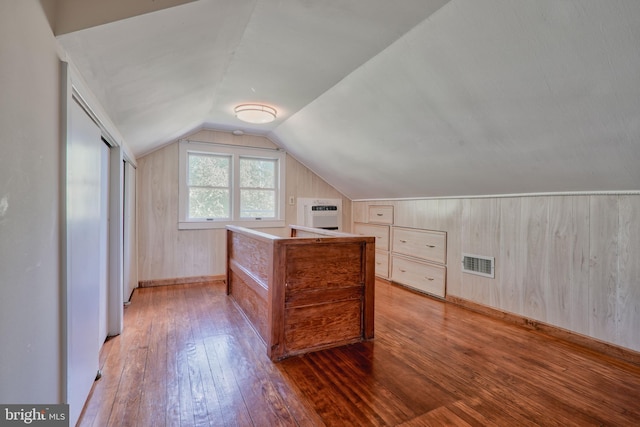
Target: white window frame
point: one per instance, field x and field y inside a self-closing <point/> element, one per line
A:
<point x="235" y="152"/>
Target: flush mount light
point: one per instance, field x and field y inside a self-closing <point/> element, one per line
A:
<point x="255" y="113"/>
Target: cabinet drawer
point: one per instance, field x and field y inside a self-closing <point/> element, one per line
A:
<point x="381" y="214"/>
<point x="425" y="277"/>
<point x="380" y="232"/>
<point x="428" y="245"/>
<point x="382" y="264"/>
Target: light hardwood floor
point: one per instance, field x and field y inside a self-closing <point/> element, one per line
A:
<point x="187" y="357"/>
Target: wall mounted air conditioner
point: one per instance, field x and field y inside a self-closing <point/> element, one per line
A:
<point x="320" y="213"/>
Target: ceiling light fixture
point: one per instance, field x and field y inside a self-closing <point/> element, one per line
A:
<point x="255" y="113"/>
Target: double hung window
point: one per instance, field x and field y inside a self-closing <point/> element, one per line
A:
<point x="222" y="184"/>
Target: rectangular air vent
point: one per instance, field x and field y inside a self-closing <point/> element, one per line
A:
<point x="477" y="264"/>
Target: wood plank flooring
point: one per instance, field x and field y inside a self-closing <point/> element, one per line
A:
<point x="187" y="357"/>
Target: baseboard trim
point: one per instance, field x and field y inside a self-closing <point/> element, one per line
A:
<point x="589" y="343"/>
<point x="180" y="281"/>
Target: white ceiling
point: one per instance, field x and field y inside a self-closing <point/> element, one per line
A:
<point x="416" y="98"/>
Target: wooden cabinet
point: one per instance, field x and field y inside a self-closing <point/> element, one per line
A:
<point x="381" y="233"/>
<point x="311" y="291"/>
<point x="375" y="220"/>
<point x="380" y="214"/>
<point x="418" y="259"/>
<point x="423" y="276"/>
<point x="382" y="264"/>
<point x="427" y="245"/>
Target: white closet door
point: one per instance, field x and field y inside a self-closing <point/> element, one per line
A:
<point x="83" y="221"/>
<point x="104" y="242"/>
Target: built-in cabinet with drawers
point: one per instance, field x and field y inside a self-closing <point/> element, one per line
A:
<point x="413" y="257"/>
<point x="378" y="220"/>
<point x="381" y="233"/>
<point x="418" y="259"/>
<point x="380" y="214"/>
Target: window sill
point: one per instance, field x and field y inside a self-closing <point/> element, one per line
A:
<point x="250" y="223"/>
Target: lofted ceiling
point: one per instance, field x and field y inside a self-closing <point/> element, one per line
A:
<point x="416" y="98"/>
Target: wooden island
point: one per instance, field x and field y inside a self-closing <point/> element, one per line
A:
<point x="303" y="293"/>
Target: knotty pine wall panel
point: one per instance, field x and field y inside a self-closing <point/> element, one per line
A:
<point x="569" y="263"/>
<point x="359" y="212"/>
<point x="603" y="261"/>
<point x="480" y="236"/>
<point x="448" y="213"/>
<point x="511" y="297"/>
<point x="533" y="258"/>
<point x="164" y="252"/>
<point x="628" y="299"/>
<point x="572" y="261"/>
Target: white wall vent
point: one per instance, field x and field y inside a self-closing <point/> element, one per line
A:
<point x="477" y="264"/>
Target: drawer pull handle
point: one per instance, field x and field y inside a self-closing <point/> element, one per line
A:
<point x="403" y="241"/>
<point x="403" y="271"/>
<point x="430" y="246"/>
<point x="429" y="278"/>
<point x="379" y="214"/>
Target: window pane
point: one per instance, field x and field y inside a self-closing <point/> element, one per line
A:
<point x="207" y="170"/>
<point x="209" y="203"/>
<point x="257" y="203"/>
<point x="222" y="184"/>
<point x="257" y="173"/>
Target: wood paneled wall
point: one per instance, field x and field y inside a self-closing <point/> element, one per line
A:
<point x="569" y="261"/>
<point x="164" y="252"/>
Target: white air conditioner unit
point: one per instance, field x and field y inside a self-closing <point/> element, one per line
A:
<point x="320" y="213"/>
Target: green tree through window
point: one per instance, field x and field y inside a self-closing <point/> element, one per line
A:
<point x="209" y="186"/>
<point x="257" y="188"/>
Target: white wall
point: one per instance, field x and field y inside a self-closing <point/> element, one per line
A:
<point x="30" y="314"/>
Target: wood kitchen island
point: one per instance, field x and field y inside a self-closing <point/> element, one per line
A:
<point x="306" y="292"/>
